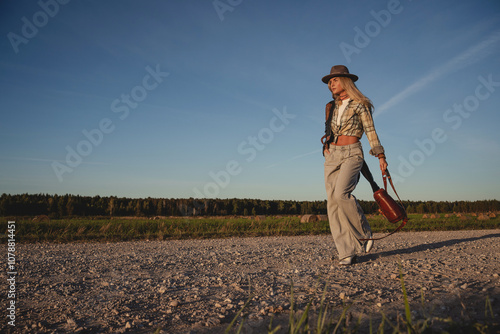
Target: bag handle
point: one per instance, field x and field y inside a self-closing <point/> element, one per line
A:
<point x="386" y="175"/>
<point x="405" y="220"/>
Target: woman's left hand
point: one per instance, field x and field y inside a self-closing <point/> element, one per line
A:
<point x="383" y="164"/>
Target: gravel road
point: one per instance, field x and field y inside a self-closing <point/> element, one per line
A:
<point x="197" y="286"/>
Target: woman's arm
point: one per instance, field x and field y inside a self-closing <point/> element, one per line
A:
<point x="383" y="162"/>
<point x="376" y="147"/>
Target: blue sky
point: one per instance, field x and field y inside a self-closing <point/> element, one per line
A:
<point x="224" y="99"/>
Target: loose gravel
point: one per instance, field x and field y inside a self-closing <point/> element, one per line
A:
<point x="198" y="286"/>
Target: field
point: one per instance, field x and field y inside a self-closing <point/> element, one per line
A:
<point x="202" y="279"/>
<point x="29" y="229"/>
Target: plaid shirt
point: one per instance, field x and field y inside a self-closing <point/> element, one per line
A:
<point x="355" y="120"/>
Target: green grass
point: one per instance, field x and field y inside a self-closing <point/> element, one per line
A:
<point x="442" y="223"/>
<point x="120" y="229"/>
<point x="327" y="322"/>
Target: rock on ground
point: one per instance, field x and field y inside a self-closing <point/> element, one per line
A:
<point x="198" y="286"/>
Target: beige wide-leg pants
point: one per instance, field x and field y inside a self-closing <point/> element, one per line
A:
<point x="348" y="223"/>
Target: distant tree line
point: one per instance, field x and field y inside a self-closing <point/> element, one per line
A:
<point x="58" y="206"/>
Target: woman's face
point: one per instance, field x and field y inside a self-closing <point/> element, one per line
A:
<point x="335" y="86"/>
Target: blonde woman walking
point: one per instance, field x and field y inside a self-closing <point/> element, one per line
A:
<point x="348" y="116"/>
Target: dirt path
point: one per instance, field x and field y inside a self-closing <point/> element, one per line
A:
<point x="197" y="286"/>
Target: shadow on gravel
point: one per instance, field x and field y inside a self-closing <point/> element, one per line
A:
<point x="424" y="247"/>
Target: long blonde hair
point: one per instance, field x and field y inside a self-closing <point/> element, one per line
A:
<point x="353" y="92"/>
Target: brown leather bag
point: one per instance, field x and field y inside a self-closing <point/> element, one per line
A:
<point x="392" y="210"/>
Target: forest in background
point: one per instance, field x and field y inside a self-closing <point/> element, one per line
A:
<point x="61" y="206"/>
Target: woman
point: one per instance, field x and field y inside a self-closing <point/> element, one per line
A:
<point x="348" y="116"/>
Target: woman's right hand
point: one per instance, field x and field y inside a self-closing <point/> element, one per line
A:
<point x="383" y="164"/>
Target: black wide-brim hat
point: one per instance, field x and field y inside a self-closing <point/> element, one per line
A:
<point x="339" y="71"/>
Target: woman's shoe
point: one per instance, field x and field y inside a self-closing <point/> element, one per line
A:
<point x="347" y="261"/>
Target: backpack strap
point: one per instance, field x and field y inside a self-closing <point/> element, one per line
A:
<point x="327" y="138"/>
<point x="369" y="177"/>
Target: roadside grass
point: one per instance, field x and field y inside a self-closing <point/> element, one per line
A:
<point x="440" y="223"/>
<point x="122" y="229"/>
<point x="328" y="321"/>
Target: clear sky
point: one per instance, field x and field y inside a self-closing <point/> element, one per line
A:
<point x="224" y="99"/>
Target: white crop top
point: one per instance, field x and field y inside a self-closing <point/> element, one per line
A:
<point x="341" y="110"/>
